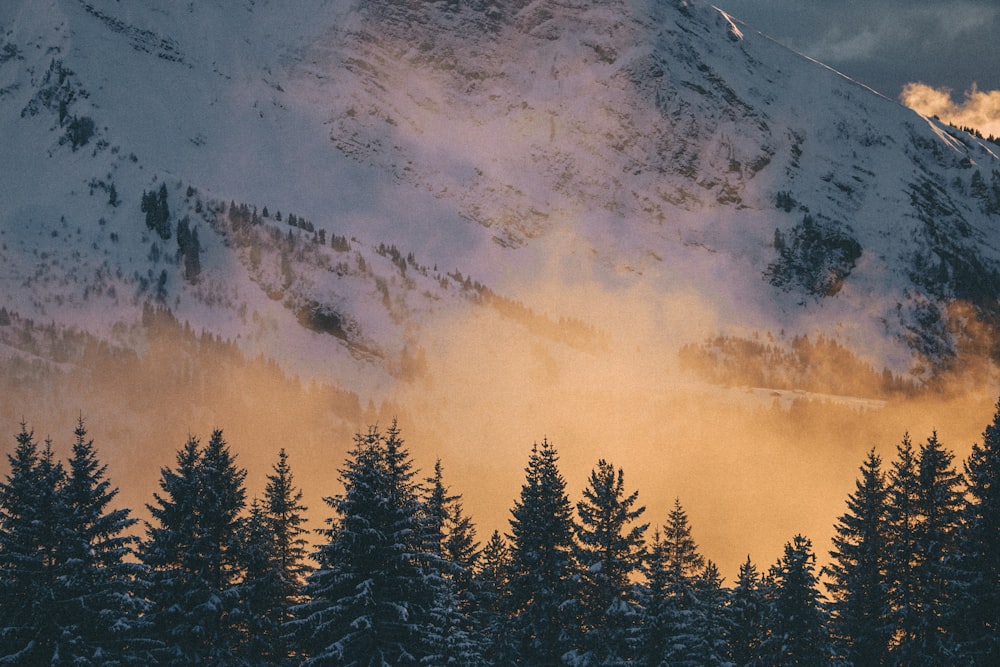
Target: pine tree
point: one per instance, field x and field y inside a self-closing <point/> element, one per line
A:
<point x="31" y="524"/>
<point x="543" y="570"/>
<point x="97" y="571"/>
<point x="194" y="555"/>
<point x="285" y="518"/>
<point x="979" y="603"/>
<point x="610" y="552"/>
<point x="656" y="618"/>
<point x="261" y="592"/>
<point x="746" y="613"/>
<point x="796" y="622"/>
<point x="452" y="550"/>
<point x="902" y="518"/>
<point x="492" y="584"/>
<point x="683" y="615"/>
<point x="939" y="505"/>
<point x="857" y="572"/>
<point x="369" y="600"/>
<point x="274" y="566"/>
<point x="712" y="632"/>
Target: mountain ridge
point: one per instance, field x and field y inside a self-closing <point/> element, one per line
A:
<point x="649" y="147"/>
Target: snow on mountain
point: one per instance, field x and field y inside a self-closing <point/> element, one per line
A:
<point x="638" y="148"/>
<point x="520" y="196"/>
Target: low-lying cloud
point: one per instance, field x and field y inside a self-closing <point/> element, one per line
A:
<point x="978" y="109"/>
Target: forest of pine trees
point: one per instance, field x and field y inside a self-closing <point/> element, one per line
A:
<point x="398" y="577"/>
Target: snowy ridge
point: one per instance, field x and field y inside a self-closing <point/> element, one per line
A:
<point x="638" y="148"/>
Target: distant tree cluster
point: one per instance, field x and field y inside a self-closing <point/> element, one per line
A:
<point x="819" y="365"/>
<point x="189" y="249"/>
<point x="399" y="578"/>
<point x="154" y="205"/>
<point x="815" y="255"/>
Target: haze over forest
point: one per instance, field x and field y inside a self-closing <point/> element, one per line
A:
<point x="643" y="232"/>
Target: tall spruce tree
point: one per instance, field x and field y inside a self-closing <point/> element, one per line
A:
<point x="671" y="610"/>
<point x="797" y="627"/>
<point x="859" y="606"/>
<point x="31" y="523"/>
<point x="194" y="556"/>
<point x="978" y="616"/>
<point x="656" y="621"/>
<point x="453" y="636"/>
<point x="712" y="633"/>
<point x="746" y="612"/>
<point x="939" y="506"/>
<point x="543" y="570"/>
<point x="902" y="519"/>
<point x="285" y="517"/>
<point x="610" y="552"/>
<point x="492" y="577"/>
<point x="260" y="593"/>
<point x="99" y="613"/>
<point x="369" y="600"/>
<point x="274" y="556"/>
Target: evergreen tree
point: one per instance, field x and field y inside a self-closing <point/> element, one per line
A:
<point x="97" y="571"/>
<point x="194" y="555"/>
<point x="857" y="572"/>
<point x="683" y="615"/>
<point x="543" y="570"/>
<point x="451" y="545"/>
<point x="939" y="506"/>
<point x="795" y="619"/>
<point x="31" y="524"/>
<point x="610" y="552"/>
<point x="261" y="589"/>
<point x="451" y="635"/>
<point x="274" y="555"/>
<point x="979" y="603"/>
<point x="285" y="518"/>
<point x="746" y="614"/>
<point x="656" y="620"/>
<point x="902" y="517"/>
<point x="492" y="584"/>
<point x="369" y="600"/>
<point x="154" y="205"/>
<point x="712" y="633"/>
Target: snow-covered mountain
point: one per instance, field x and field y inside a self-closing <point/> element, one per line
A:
<point x="508" y="214"/>
<point x="586" y="149"/>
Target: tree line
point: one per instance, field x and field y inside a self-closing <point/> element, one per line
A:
<point x="398" y="576"/>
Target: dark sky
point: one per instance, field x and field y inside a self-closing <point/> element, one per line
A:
<point x="886" y="44"/>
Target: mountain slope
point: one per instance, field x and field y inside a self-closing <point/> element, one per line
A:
<point x="500" y="219"/>
<point x="658" y="146"/>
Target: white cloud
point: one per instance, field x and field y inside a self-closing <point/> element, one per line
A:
<point x="979" y="109"/>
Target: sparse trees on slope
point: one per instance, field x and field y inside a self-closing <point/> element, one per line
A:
<point x="154" y="205"/>
<point x="610" y="552"/>
<point x="543" y="570"/>
<point x="859" y="607"/>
